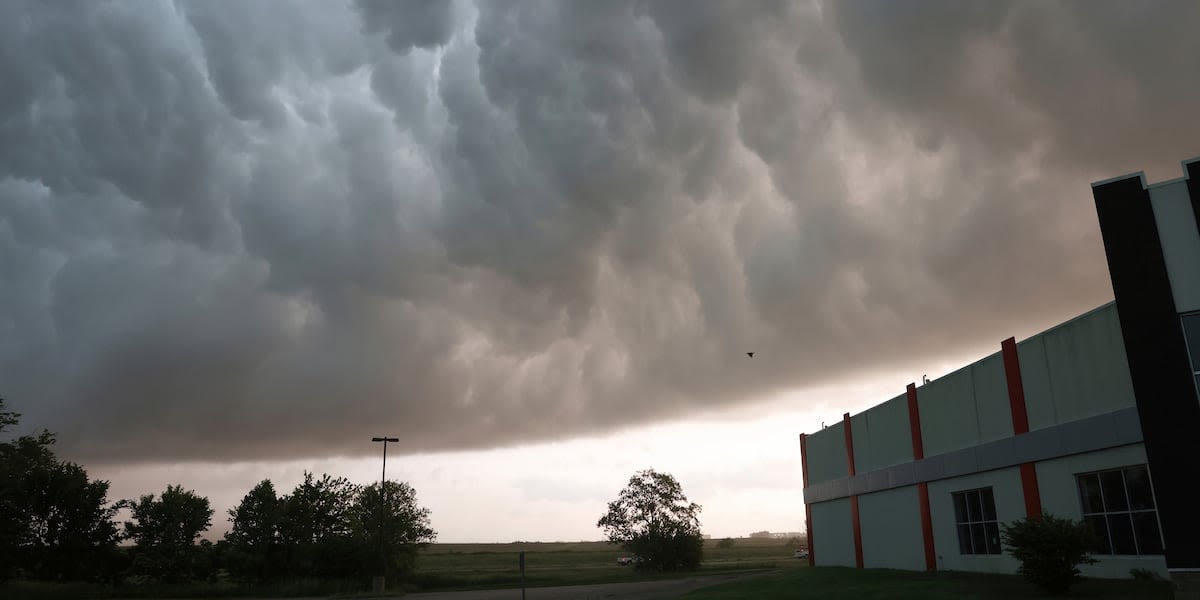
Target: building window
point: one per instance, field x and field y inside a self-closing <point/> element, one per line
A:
<point x="1119" y="506"/>
<point x="1191" y="332"/>
<point x="975" y="516"/>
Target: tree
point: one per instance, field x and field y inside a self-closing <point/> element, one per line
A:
<point x="1050" y="549"/>
<point x="654" y="520"/>
<point x="165" y="531"/>
<point x="316" y="526"/>
<point x="54" y="522"/>
<point x="254" y="543"/>
<point x="404" y="525"/>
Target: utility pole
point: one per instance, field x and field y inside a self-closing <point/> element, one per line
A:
<point x="379" y="583"/>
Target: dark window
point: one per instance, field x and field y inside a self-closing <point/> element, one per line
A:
<point x="1191" y="331"/>
<point x="1119" y="506"/>
<point x="975" y="518"/>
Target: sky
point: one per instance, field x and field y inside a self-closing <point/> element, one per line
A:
<point x="535" y="240"/>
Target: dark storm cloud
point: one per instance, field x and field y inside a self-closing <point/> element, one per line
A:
<point x="235" y="230"/>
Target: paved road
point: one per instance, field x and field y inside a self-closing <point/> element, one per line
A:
<point x="641" y="590"/>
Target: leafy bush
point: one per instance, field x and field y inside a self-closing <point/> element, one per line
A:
<point x="1050" y="549"/>
<point x="1144" y="575"/>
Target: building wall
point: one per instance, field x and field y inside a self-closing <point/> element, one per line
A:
<point x="882" y="437"/>
<point x="1101" y="391"/>
<point x="890" y="522"/>
<point x="833" y="535"/>
<point x="1180" y="241"/>
<point x="965" y="408"/>
<point x="1060" y="497"/>
<point x="1010" y="505"/>
<point x="827" y="454"/>
<point x="1075" y="370"/>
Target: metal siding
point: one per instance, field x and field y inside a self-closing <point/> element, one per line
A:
<point x="826" y="454"/>
<point x="832" y="533"/>
<point x="991" y="398"/>
<point x="891" y="530"/>
<point x="881" y="436"/>
<point x="1088" y="371"/>
<point x="1180" y="242"/>
<point x="949" y="420"/>
<point x="1035" y="378"/>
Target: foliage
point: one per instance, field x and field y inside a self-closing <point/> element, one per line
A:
<point x="254" y="547"/>
<point x="725" y="543"/>
<point x="654" y="520"/>
<point x="1144" y="575"/>
<point x="54" y="522"/>
<point x="315" y="528"/>
<point x="165" y="531"/>
<point x="1050" y="549"/>
<point x="404" y="525"/>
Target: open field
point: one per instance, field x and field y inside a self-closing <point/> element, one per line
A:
<point x="844" y="583"/>
<point x="465" y="566"/>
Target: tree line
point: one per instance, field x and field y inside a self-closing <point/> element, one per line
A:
<point x="57" y="524"/>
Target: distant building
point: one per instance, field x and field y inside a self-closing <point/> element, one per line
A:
<point x="1097" y="419"/>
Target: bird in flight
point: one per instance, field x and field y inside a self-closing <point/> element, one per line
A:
<point x="750" y="354"/>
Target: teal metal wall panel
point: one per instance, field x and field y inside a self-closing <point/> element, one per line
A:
<point x="1089" y="374"/>
<point x="882" y="437"/>
<point x="949" y="420"/>
<point x="826" y="454"/>
<point x="833" y="534"/>
<point x="1035" y="378"/>
<point x="891" y="529"/>
<point x="991" y="399"/>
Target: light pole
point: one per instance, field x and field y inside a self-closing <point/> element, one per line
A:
<point x="380" y="583"/>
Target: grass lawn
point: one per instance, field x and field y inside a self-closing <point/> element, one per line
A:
<point x="447" y="567"/>
<point x="477" y="566"/>
<point x="838" y="583"/>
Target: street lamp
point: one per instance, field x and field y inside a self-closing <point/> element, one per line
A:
<point x="380" y="583"/>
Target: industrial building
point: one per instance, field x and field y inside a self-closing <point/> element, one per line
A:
<point x="1095" y="419"/>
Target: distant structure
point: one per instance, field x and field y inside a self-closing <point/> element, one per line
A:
<point x="1095" y="419"/>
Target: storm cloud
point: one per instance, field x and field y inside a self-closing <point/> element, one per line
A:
<point x="263" y="230"/>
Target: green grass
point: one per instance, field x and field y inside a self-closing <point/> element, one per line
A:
<point x="841" y="583"/>
<point x="477" y="566"/>
<point x="446" y="567"/>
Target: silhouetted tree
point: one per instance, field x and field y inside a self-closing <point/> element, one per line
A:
<point x="54" y="522"/>
<point x="404" y="526"/>
<point x="654" y="520"/>
<point x="253" y="542"/>
<point x="315" y="528"/>
<point x="165" y="531"/>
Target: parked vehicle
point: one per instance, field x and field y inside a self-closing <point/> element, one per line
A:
<point x="800" y="553"/>
<point x="627" y="560"/>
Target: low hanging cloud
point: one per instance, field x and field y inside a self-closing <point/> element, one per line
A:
<point x="238" y="231"/>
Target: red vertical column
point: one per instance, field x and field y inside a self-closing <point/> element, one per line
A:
<point x="808" y="528"/>
<point x="918" y="449"/>
<point x="1020" y="423"/>
<point x="855" y="523"/>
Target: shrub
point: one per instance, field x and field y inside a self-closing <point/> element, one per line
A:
<point x="725" y="543"/>
<point x="1050" y="549"/>
<point x="1144" y="575"/>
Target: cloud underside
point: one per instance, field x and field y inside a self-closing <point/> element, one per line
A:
<point x="229" y="231"/>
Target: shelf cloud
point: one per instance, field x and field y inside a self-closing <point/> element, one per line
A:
<point x="253" y="231"/>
